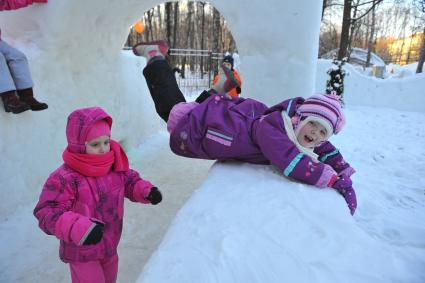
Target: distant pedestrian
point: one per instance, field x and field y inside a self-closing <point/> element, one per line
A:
<point x="228" y="62"/>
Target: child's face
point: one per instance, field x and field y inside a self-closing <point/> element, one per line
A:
<point x="227" y="65"/>
<point x="312" y="134"/>
<point x="99" y="145"/>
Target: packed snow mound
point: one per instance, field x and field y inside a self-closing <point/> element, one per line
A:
<point x="248" y="223"/>
<point x="401" y="93"/>
<point x="358" y="56"/>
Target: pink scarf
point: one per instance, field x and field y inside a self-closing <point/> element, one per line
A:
<point x="95" y="165"/>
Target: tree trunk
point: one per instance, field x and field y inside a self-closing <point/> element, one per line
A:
<point x="168" y="9"/>
<point x="371" y="35"/>
<point x="191" y="33"/>
<point x="186" y="44"/>
<point x="345" y="31"/>
<point x="216" y="36"/>
<point x="419" y="69"/>
<point x="202" y="6"/>
<point x="176" y="23"/>
<point x="149" y="28"/>
<point x="158" y="23"/>
<point x="352" y="28"/>
<point x="324" y="5"/>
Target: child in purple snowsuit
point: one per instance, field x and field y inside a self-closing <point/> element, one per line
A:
<point x="292" y="135"/>
<point x="82" y="202"/>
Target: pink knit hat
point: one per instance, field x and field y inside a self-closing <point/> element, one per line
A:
<point x="100" y="128"/>
<point x="325" y="109"/>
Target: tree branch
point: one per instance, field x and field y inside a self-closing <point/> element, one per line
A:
<point x="367" y="11"/>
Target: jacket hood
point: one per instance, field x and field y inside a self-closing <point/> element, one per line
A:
<point x="79" y="123"/>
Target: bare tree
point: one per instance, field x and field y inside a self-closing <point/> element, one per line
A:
<point x="216" y="34"/>
<point x="348" y="20"/>
<point x="202" y="46"/>
<point x="168" y="20"/>
<point x="176" y="22"/>
<point x="371" y="35"/>
<point x="328" y="38"/>
<point x="324" y="5"/>
<point x="148" y="26"/>
<point x="355" y="26"/>
<point x="420" y="5"/>
<point x="421" y="61"/>
<point x="188" y="33"/>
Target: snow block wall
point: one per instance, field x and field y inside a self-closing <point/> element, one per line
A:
<point x="359" y="89"/>
<point x="74" y="51"/>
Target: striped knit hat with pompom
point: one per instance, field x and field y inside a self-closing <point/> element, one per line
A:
<point x="325" y="109"/>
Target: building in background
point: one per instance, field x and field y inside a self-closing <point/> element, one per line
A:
<point x="400" y="51"/>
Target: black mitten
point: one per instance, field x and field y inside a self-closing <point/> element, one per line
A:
<point x="154" y="196"/>
<point x="203" y="96"/>
<point x="95" y="235"/>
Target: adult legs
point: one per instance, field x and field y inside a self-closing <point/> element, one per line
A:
<point x="7" y="89"/>
<point x="18" y="70"/>
<point x="18" y="65"/>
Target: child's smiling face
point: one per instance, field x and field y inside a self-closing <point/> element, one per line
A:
<point x="99" y="145"/>
<point x="312" y="134"/>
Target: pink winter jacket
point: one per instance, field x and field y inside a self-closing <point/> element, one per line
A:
<point x="17" y="4"/>
<point x="70" y="201"/>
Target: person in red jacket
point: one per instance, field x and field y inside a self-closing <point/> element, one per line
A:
<point x="82" y="202"/>
<point x="228" y="62"/>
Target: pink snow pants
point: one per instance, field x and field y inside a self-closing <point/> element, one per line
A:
<point x="100" y="271"/>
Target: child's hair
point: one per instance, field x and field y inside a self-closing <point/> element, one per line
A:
<point x="325" y="109"/>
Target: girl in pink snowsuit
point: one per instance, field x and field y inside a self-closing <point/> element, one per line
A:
<point x="82" y="201"/>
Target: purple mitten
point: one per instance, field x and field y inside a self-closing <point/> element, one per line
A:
<point x="345" y="187"/>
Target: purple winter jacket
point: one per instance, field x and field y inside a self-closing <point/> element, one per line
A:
<point x="70" y="201"/>
<point x="242" y="129"/>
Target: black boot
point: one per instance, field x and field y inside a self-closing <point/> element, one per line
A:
<point x="12" y="103"/>
<point x="27" y="96"/>
<point x="163" y="87"/>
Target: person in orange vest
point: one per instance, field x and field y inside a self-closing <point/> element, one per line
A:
<point x="228" y="63"/>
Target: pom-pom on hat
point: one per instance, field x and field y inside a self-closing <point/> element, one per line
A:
<point x="325" y="109"/>
<point x="228" y="59"/>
